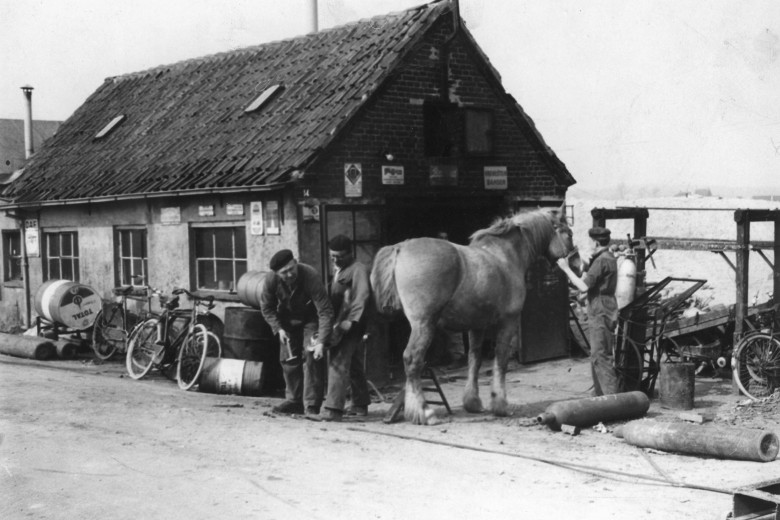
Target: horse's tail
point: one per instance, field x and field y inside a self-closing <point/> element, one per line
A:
<point x="386" y="298"/>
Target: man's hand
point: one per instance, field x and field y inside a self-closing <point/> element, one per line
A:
<point x="317" y="350"/>
<point x="283" y="337"/>
<point x="345" y="325"/>
<point x="563" y="263"/>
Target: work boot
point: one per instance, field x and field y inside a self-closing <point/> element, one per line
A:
<point x="357" y="411"/>
<point x="331" y="415"/>
<point x="288" y="408"/>
<point x="312" y="411"/>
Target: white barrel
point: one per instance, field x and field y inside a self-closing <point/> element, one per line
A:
<point x="68" y="303"/>
<point x="626" y="281"/>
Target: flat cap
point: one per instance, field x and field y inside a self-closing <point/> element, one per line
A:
<point x="598" y="233"/>
<point x="280" y="259"/>
<point x="340" y="243"/>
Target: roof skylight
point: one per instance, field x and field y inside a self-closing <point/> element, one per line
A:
<point x="264" y="97"/>
<point x="110" y="126"/>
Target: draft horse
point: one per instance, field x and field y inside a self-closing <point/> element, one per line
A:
<point x="476" y="288"/>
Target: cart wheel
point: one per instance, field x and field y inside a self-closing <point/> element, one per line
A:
<point x="628" y="365"/>
<point x="108" y="332"/>
<point x="756" y="365"/>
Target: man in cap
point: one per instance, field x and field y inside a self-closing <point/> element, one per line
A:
<point x="349" y="294"/>
<point x="599" y="283"/>
<point x="295" y="304"/>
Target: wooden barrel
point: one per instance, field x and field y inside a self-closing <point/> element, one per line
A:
<point x="68" y="303"/>
<point x="231" y="376"/>
<point x="249" y="286"/>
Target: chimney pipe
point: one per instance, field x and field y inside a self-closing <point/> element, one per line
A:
<point x="313" y="21"/>
<point x="28" y="130"/>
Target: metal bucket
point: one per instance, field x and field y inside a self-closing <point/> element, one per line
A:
<point x="249" y="287"/>
<point x="232" y="376"/>
<point x="676" y="385"/>
<point x="69" y="303"/>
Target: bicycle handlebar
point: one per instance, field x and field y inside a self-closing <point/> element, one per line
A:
<point x="206" y="301"/>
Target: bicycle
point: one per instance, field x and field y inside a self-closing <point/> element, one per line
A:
<point x="115" y="322"/>
<point x="174" y="337"/>
<point x="755" y="361"/>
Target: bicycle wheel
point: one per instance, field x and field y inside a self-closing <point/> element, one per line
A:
<point x="142" y="349"/>
<point x="192" y="355"/>
<point x="108" y="332"/>
<point x="756" y="365"/>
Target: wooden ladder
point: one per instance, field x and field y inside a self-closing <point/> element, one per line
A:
<point x="396" y="410"/>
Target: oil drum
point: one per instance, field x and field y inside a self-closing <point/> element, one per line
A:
<point x="249" y="287"/>
<point x="677" y="382"/>
<point x="232" y="376"/>
<point x="249" y="337"/>
<point x="68" y="303"/>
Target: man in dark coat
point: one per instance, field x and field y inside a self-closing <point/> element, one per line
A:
<point x="295" y="304"/>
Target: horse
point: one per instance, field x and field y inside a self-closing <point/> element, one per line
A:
<point x="477" y="288"/>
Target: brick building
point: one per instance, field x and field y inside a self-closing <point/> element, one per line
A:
<point x="196" y="172"/>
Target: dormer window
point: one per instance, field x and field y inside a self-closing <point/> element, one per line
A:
<point x="110" y="126"/>
<point x="264" y="98"/>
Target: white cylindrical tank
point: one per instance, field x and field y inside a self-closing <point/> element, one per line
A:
<point x="626" y="279"/>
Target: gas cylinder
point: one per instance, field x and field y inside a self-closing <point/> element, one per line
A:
<point x="592" y="410"/>
<point x="726" y="443"/>
<point x="626" y="279"/>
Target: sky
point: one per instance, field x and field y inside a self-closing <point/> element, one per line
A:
<point x="669" y="93"/>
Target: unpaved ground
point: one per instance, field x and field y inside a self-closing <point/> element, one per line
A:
<point x="83" y="441"/>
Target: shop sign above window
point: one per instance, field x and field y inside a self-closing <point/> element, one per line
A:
<point x="495" y="178"/>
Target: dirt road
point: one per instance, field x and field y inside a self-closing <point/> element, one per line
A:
<point x="83" y="441"/>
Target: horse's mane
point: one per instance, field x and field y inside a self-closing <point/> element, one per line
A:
<point x="536" y="223"/>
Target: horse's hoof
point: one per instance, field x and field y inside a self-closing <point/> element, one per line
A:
<point x="473" y="405"/>
<point x="500" y="408"/>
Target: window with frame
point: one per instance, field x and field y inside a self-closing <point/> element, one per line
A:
<point x="131" y="257"/>
<point x="219" y="256"/>
<point x="62" y="255"/>
<point x="478" y="131"/>
<point x="440" y="122"/>
<point x="12" y="256"/>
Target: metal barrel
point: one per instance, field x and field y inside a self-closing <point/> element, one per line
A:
<point x="249" y="337"/>
<point x="249" y="287"/>
<point x="676" y="385"/>
<point x="69" y="303"/>
<point x="232" y="376"/>
<point x="592" y="410"/>
<point x="30" y="347"/>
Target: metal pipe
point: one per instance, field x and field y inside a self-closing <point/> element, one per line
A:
<point x="28" y="133"/>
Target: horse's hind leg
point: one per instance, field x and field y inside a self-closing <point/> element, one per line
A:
<point x="415" y="409"/>
<point x="471" y="401"/>
<point x="498" y="402"/>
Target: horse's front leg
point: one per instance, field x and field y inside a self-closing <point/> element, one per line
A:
<point x="415" y="409"/>
<point x="506" y="333"/>
<point x="471" y="401"/>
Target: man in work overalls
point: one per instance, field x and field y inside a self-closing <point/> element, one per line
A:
<point x="599" y="282"/>
<point x="295" y="304"/>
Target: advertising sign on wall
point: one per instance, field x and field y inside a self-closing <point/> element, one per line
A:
<point x="353" y="180"/>
<point x="495" y="178"/>
<point x="256" y="218"/>
<point x="393" y="175"/>
<point x="443" y="175"/>
<point x="31" y="242"/>
<point x="170" y="216"/>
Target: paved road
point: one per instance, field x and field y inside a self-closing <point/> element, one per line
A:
<point x="82" y="441"/>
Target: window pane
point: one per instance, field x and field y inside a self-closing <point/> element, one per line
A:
<point x="124" y="240"/>
<point x="54" y="270"/>
<point x="138" y="243"/>
<point x="225" y="272"/>
<point x="239" y="235"/>
<point x="66" y="244"/>
<point x="240" y="271"/>
<point x="478" y="130"/>
<point x="206" y="278"/>
<point x="340" y="223"/>
<point x="67" y="270"/>
<point x="54" y="244"/>
<point x="224" y="243"/>
<point x="367" y="225"/>
<point x="204" y="246"/>
<point x="126" y="270"/>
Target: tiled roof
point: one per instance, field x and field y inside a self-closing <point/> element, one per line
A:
<point x="185" y="127"/>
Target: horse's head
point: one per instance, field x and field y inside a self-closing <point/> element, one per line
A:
<point x="561" y="243"/>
